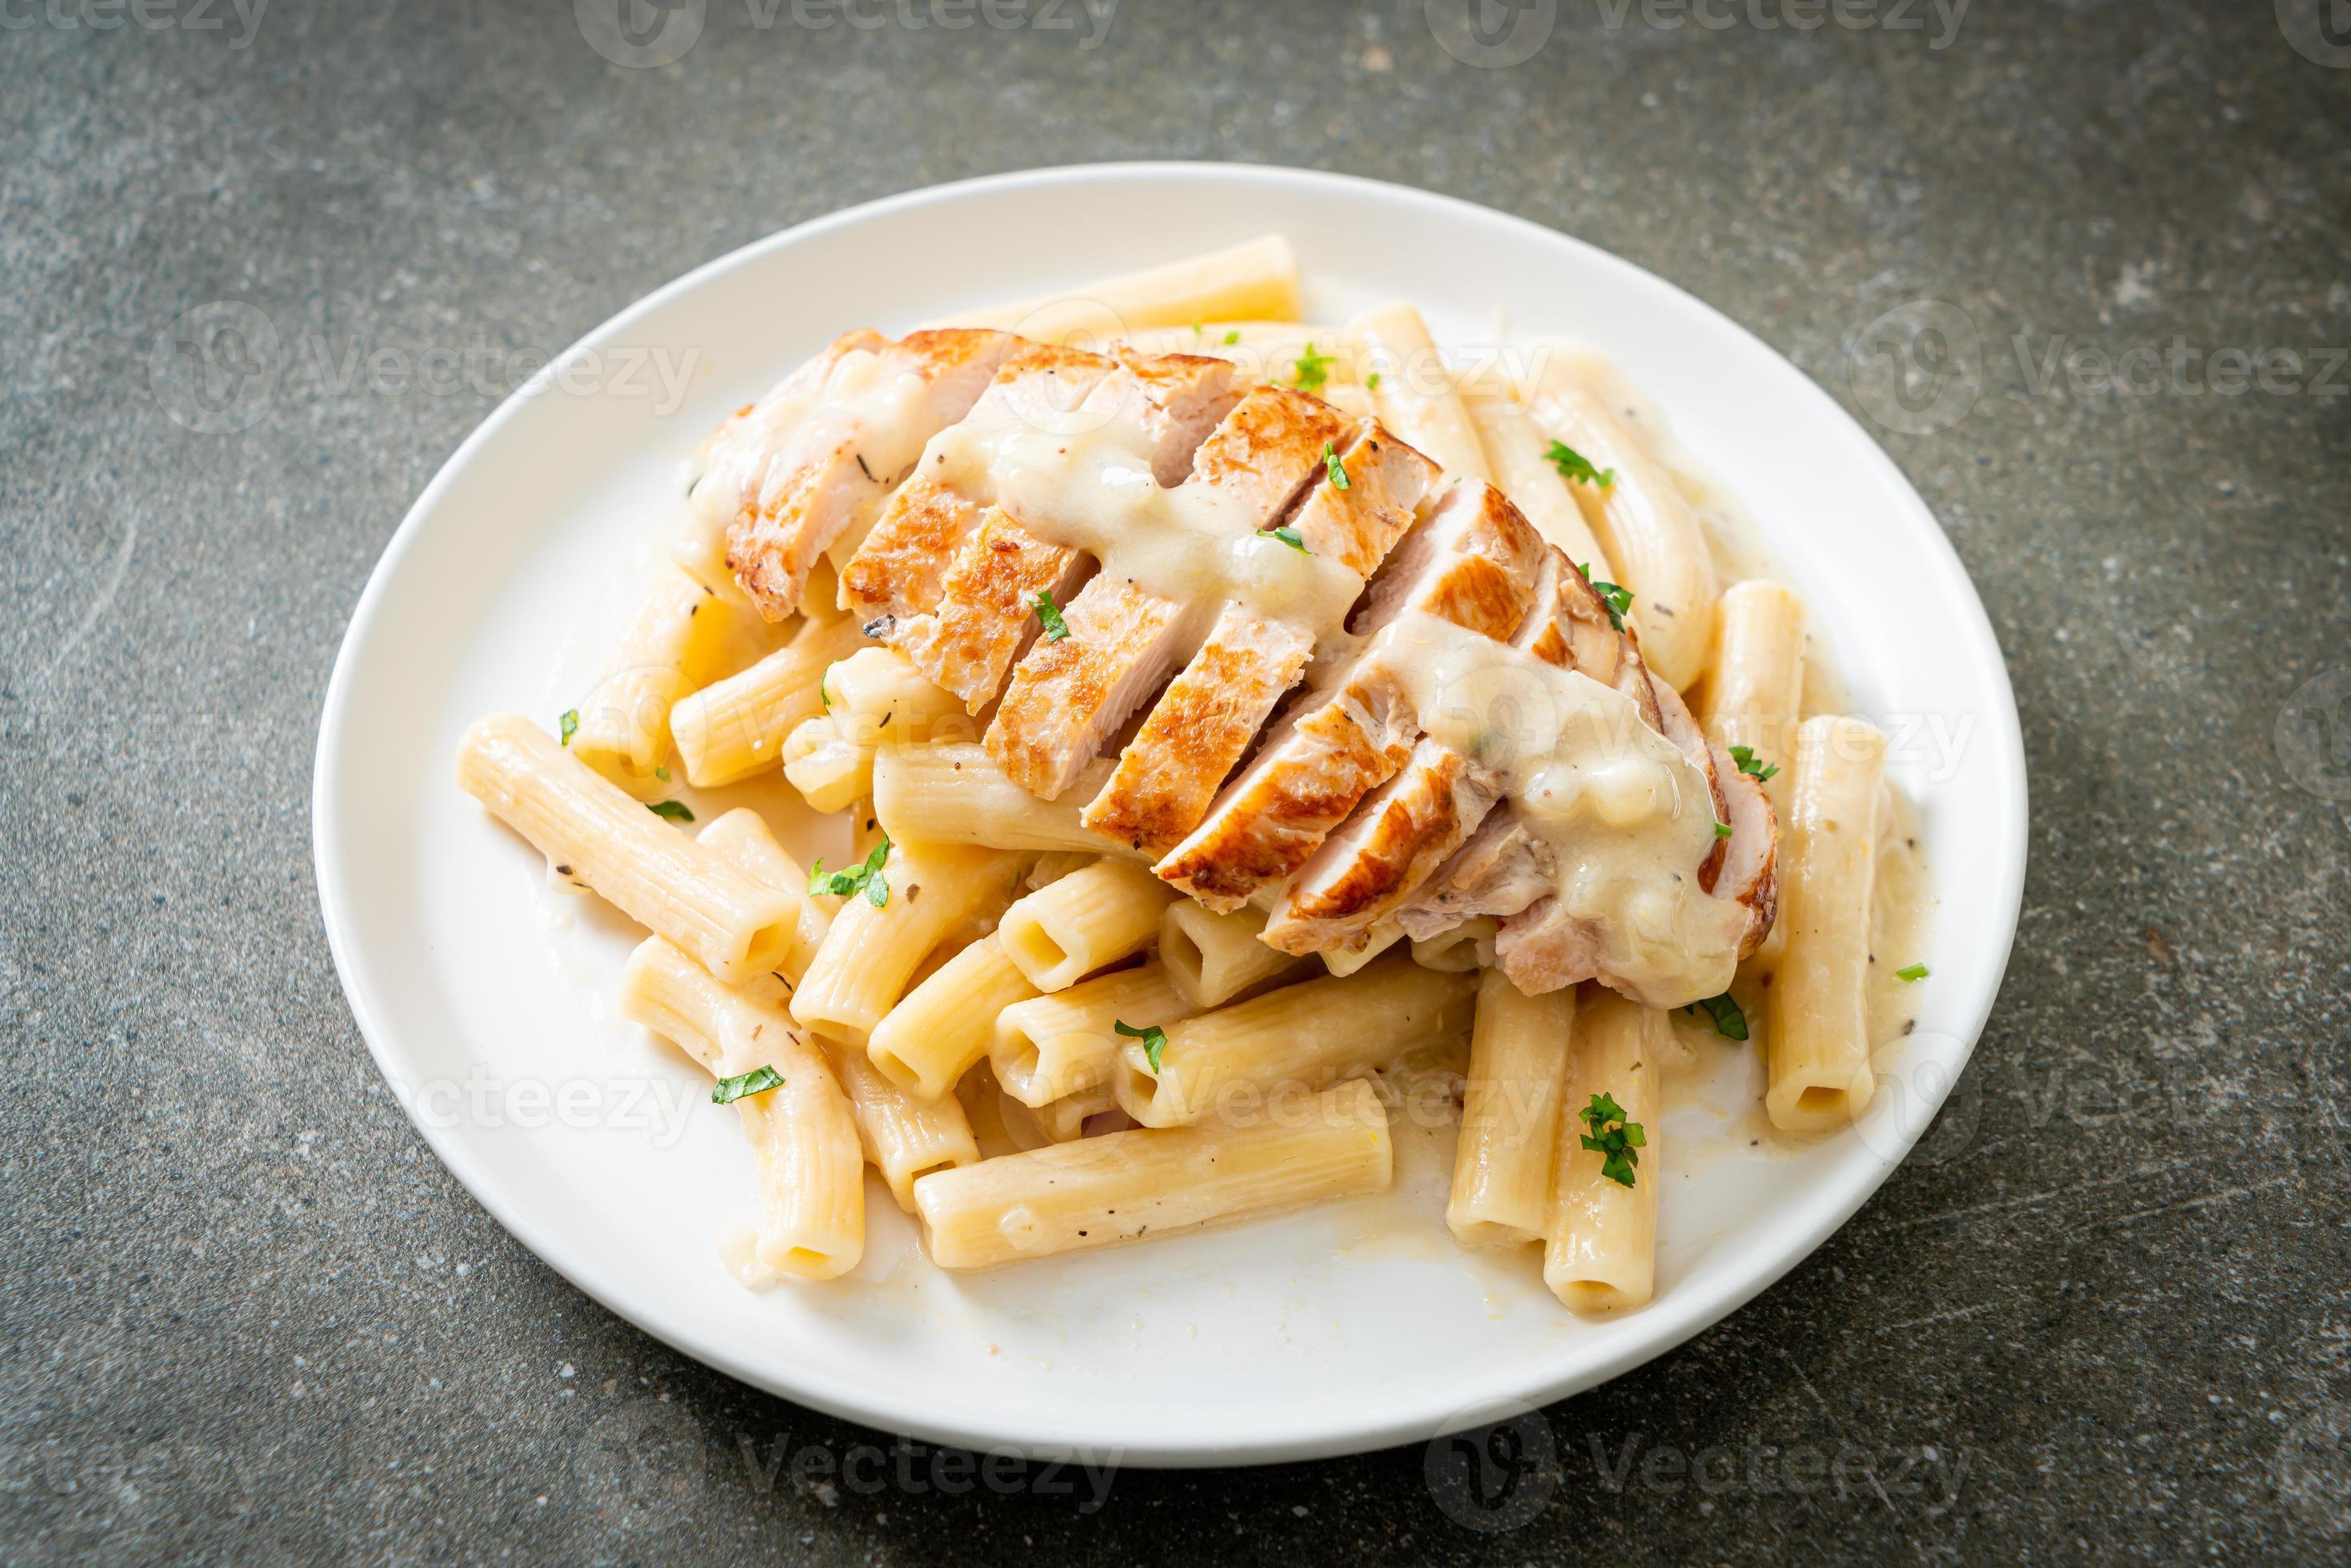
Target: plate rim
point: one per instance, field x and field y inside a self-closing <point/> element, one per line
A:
<point x="1669" y="1325"/>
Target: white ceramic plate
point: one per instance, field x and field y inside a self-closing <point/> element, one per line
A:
<point x="486" y="996"/>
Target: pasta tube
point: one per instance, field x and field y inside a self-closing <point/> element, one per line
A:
<point x="736" y="728"/>
<point x="1310" y="1034"/>
<point x="742" y="839"/>
<point x="1601" y="1250"/>
<point x="1817" y="1052"/>
<point x="1516" y="451"/>
<point x="1051" y="1047"/>
<point x="1510" y="1114"/>
<point x="812" y="1176"/>
<point x="942" y="1026"/>
<point x="871" y="950"/>
<point x="1253" y="280"/>
<point x="959" y="794"/>
<point x="1640" y="520"/>
<point x="676" y="642"/>
<point x="1756" y="686"/>
<point x="1085" y="920"/>
<point x="596" y="834"/>
<point x="1121" y="1187"/>
<point x="1415" y="395"/>
<point x="1211" y="958"/>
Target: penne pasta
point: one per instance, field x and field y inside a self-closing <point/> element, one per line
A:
<point x="1257" y="280"/>
<point x="1376" y="941"/>
<point x="677" y="641"/>
<point x="1054" y="1046"/>
<point x="1211" y="958"/>
<point x="1122" y="1187"/>
<point x="741" y="837"/>
<point x="1601" y="1253"/>
<point x="959" y="794"/>
<point x="1510" y="1114"/>
<point x="1755" y="686"/>
<point x="1086" y="921"/>
<point x="1460" y="949"/>
<point x="942" y="1026"/>
<point x="1306" y="1035"/>
<point x="871" y="950"/>
<point x="1415" y="395"/>
<point x="872" y="698"/>
<point x="1515" y="450"/>
<point x="736" y="728"/>
<point x="1818" y="1048"/>
<point x="811" y="1174"/>
<point x="596" y="834"/>
<point x="1640" y="520"/>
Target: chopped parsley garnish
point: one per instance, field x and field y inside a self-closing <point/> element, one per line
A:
<point x="1722" y="830"/>
<point x="1336" y="469"/>
<point x="671" y="810"/>
<point x="1154" y="1039"/>
<point x="1050" y="614"/>
<point x="1288" y="535"/>
<point x="570" y="722"/>
<point x="1613" y="1138"/>
<point x="1232" y="337"/>
<point x="1914" y="972"/>
<point x="662" y="773"/>
<point x="1373" y="380"/>
<point x="1729" y="1021"/>
<point x="1573" y="464"/>
<point x="823" y="695"/>
<point x="758" y="1080"/>
<point x="1313" y="368"/>
<point x="1744" y="755"/>
<point x="867" y="878"/>
<point x="1198" y="331"/>
<point x="1617" y="600"/>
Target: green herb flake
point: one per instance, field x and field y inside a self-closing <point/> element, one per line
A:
<point x="662" y="773"/>
<point x="1198" y="331"/>
<point x="867" y="879"/>
<point x="671" y="810"/>
<point x="1154" y="1039"/>
<point x="1914" y="972"/>
<point x="1336" y="469"/>
<point x="1744" y="755"/>
<point x="823" y="695"/>
<point x="1232" y="337"/>
<point x="758" y="1080"/>
<point x="1371" y="382"/>
<point x="1729" y="1021"/>
<point x="1613" y="1138"/>
<point x="1313" y="368"/>
<point x="1617" y="600"/>
<point x="1050" y="614"/>
<point x="570" y="722"/>
<point x="1288" y="535"/>
<point x="1573" y="464"/>
<point x="1722" y="830"/>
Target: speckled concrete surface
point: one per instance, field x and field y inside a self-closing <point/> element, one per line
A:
<point x="245" y="1314"/>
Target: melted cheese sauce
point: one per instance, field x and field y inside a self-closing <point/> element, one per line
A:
<point x="1626" y="818"/>
<point x="1082" y="478"/>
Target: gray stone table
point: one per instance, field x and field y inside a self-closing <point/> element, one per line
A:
<point x="246" y="1314"/>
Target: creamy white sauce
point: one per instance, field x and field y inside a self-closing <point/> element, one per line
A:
<point x="1082" y="480"/>
<point x="1627" y="817"/>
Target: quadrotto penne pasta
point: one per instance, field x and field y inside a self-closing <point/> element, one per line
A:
<point x="1239" y="725"/>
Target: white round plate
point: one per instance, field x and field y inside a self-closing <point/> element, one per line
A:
<point x="485" y="995"/>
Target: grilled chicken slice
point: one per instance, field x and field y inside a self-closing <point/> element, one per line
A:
<point x="901" y="566"/>
<point x="1200" y="726"/>
<point x="799" y="484"/>
<point x="1203" y="724"/>
<point x="1371" y="867"/>
<point x="1472" y="562"/>
<point x="986" y="614"/>
<point x="1070" y="695"/>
